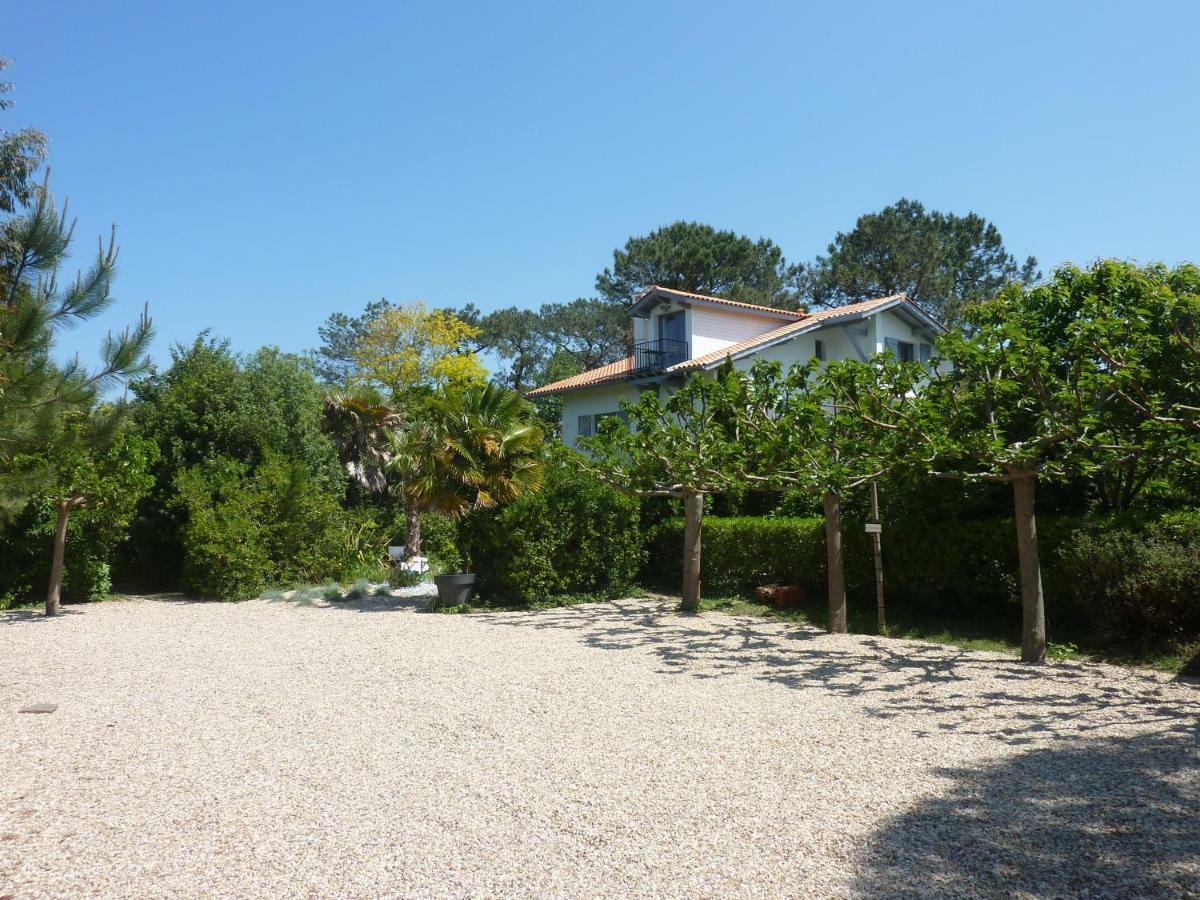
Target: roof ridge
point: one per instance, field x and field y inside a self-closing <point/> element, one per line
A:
<point x="774" y="310"/>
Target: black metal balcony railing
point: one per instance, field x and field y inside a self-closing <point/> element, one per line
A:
<point x="654" y="356"/>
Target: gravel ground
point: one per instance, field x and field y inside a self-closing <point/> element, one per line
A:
<point x="367" y="749"/>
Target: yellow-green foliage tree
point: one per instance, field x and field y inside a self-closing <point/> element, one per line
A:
<point x="411" y="348"/>
<point x="412" y="353"/>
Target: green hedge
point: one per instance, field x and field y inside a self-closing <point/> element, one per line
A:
<point x="741" y="553"/>
<point x="575" y="536"/>
<point x="1132" y="587"/>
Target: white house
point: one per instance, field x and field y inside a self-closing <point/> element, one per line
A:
<point x="677" y="333"/>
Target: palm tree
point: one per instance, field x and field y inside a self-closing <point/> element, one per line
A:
<point x="478" y="448"/>
<point x="360" y="424"/>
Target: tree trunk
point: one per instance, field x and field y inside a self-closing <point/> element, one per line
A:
<point x="1033" y="604"/>
<point x="693" y="513"/>
<point x="412" y="538"/>
<point x="836" y="564"/>
<point x="54" y="592"/>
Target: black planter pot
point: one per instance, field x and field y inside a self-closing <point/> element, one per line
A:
<point x="454" y="590"/>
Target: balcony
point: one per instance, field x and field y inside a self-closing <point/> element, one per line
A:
<point x="654" y="356"/>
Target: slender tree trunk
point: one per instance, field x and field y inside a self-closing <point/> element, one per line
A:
<point x="412" y="522"/>
<point x="54" y="592"/>
<point x="836" y="564"/>
<point x="693" y="514"/>
<point x="1033" y="604"/>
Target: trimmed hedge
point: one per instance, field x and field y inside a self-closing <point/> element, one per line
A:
<point x="575" y="536"/>
<point x="742" y="552"/>
<point x="1131" y="589"/>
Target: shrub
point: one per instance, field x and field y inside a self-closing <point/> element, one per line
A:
<point x="575" y="536"/>
<point x="245" y="530"/>
<point x="1138" y="591"/>
<point x="959" y="569"/>
<point x="226" y="553"/>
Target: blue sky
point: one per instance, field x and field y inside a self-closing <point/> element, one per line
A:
<point x="267" y="164"/>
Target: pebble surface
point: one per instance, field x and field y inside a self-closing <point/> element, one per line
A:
<point x="365" y="749"/>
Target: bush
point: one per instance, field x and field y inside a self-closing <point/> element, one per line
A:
<point x="575" y="536"/>
<point x="226" y="553"/>
<point x="742" y="552"/>
<point x="245" y="530"/>
<point x="1138" y="591"/>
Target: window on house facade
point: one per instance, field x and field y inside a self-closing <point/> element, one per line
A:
<point x="904" y="351"/>
<point x="589" y="424"/>
<point x="926" y="352"/>
<point x="819" y="349"/>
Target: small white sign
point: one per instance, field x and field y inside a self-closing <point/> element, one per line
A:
<point x="874" y="528"/>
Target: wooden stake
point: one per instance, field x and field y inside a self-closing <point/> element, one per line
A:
<point x="877" y="542"/>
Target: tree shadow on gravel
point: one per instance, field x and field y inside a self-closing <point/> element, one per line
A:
<point x="34" y="614"/>
<point x="929" y="688"/>
<point x="1115" y="817"/>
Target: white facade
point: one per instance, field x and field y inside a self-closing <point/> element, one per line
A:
<point x="601" y="400"/>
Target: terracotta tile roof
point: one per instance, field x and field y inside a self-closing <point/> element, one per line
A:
<point x="654" y="288"/>
<point x="809" y="320"/>
<point x="612" y="372"/>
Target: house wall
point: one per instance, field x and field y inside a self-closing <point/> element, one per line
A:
<point x="591" y="401"/>
<point x="711" y="329"/>
<point x="843" y="341"/>
<point x="707" y="328"/>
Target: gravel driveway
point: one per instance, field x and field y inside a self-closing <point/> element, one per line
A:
<point x="367" y="749"/>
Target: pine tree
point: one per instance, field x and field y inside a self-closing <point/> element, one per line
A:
<point x="35" y="391"/>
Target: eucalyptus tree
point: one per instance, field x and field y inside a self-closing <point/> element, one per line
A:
<point x="683" y="447"/>
<point x="21" y="155"/>
<point x="1021" y="398"/>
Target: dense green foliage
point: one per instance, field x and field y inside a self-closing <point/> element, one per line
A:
<point x="111" y="477"/>
<point x="575" y="536"/>
<point x="244" y="530"/>
<point x="1136" y="590"/>
<point x="217" y="419"/>
<point x="742" y="553"/>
